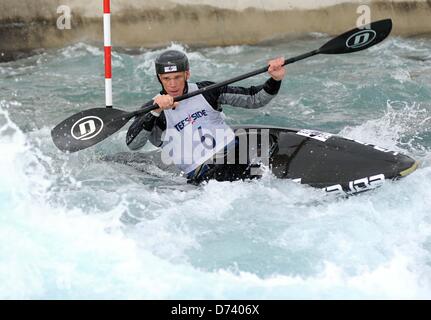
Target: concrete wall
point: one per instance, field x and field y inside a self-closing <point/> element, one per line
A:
<point x="30" y="24"/>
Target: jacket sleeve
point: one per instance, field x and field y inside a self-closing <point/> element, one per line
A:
<point x="146" y="127"/>
<point x="250" y="98"/>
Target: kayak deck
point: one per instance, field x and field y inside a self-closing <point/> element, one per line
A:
<point x="328" y="161"/>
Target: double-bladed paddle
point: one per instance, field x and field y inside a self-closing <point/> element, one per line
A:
<point x="91" y="126"/>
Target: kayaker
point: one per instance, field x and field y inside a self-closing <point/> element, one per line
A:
<point x="198" y="122"/>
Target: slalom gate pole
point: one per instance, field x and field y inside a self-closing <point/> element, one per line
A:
<point x="107" y="44"/>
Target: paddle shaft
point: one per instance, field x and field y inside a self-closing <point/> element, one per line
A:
<point x="89" y="127"/>
<point x="226" y="82"/>
<point x="350" y="41"/>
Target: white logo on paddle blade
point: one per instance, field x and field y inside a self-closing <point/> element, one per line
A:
<point x="87" y="128"/>
<point x="361" y="39"/>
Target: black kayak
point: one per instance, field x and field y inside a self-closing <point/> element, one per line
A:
<point x="319" y="159"/>
<point x="327" y="161"/>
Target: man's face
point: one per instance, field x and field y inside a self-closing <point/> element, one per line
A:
<point x="175" y="82"/>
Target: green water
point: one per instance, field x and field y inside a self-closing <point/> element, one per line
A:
<point x="80" y="227"/>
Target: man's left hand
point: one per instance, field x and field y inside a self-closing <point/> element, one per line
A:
<point x="276" y="69"/>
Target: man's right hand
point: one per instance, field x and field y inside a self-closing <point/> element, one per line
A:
<point x="165" y="102"/>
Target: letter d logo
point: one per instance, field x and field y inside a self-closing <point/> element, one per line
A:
<point x="87" y="128"/>
<point x="361" y="39"/>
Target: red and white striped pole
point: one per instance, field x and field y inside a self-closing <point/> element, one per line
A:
<point x="107" y="43"/>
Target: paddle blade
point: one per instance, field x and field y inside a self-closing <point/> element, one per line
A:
<point x="88" y="127"/>
<point x="358" y="39"/>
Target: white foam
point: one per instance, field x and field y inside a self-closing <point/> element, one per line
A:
<point x="401" y="119"/>
<point x="229" y="50"/>
<point x="254" y="240"/>
<point x="80" y="49"/>
<point x="66" y="254"/>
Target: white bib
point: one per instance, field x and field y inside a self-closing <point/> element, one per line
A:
<point x="194" y="133"/>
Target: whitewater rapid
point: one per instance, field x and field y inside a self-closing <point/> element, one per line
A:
<point x="80" y="227"/>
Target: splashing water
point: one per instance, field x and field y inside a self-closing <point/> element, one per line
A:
<point x="77" y="226"/>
